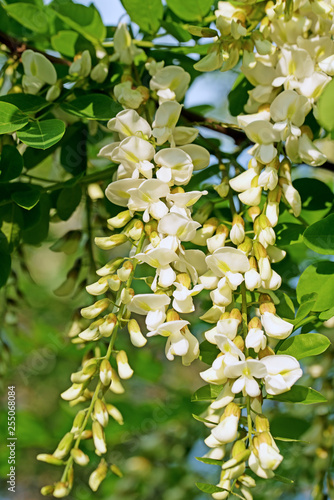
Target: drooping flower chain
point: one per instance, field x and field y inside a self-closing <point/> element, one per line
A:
<point x="156" y="161"/>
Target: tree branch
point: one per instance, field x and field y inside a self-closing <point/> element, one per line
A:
<point x="17" y="47"/>
<point x="231" y="130"/>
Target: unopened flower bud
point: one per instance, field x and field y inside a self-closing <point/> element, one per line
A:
<point x="99" y="73"/>
<point x="73" y="392"/>
<point x="120" y="220"/>
<point x="136" y="336"/>
<point x="61" y="490"/>
<point x="98" y="437"/>
<point x="262" y="423"/>
<point x="154" y="239"/>
<point x="254" y="212"/>
<point x="172" y="315"/>
<point x="64" y="446"/>
<point x="246" y="246"/>
<point x="150" y="227"/>
<point x="110" y="267"/>
<point x="109" y="242"/>
<point x="116" y="385"/>
<point x="237" y="233"/>
<point x="105" y="372"/>
<point x="47" y="490"/>
<point x="78" y="421"/>
<point x="124" y="369"/>
<point x="136" y="230"/>
<point x="107" y="326"/>
<point x="127" y="295"/>
<point x="222" y="188"/>
<point x="49" y="459"/>
<point x="98" y="475"/>
<point x="101" y="413"/>
<point x="115" y="413"/>
<point x="79" y="457"/>
<point x="184" y="279"/>
<point x="124" y="272"/>
<point x="239" y="342"/>
<point x="94" y="310"/>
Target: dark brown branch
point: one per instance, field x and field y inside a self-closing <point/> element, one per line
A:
<point x="230" y="130"/>
<point x="17" y="47"/>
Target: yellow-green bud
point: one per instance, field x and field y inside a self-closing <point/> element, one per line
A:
<point x="49" y="459"/>
<point x="105" y="372"/>
<point x="101" y="413"/>
<point x="64" y="446"/>
<point x="95" y="309"/>
<point x="61" y="490"/>
<point x="109" y="242"/>
<point x="110" y="267"/>
<point x="136" y="336"/>
<point x="79" y="457"/>
<point x="98" y="475"/>
<point x="98" y="437"/>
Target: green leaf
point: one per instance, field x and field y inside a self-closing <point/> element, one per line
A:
<point x="211" y="488"/>
<point x="304" y="345"/>
<point x="5" y="267"/>
<point x="27" y="197"/>
<point x="64" y="42"/>
<point x="317" y="199"/>
<point x="27" y="103"/>
<point x="318" y="278"/>
<point x="11" y="118"/>
<point x="68" y="200"/>
<point x="238" y="96"/>
<point x="305" y="308"/>
<point x="30" y="16"/>
<point x="320" y="236"/>
<point x="147" y="17"/>
<point x="190" y="10"/>
<point x="73" y="153"/>
<point x="289" y="234"/>
<point x="283" y="479"/>
<point x="285" y="308"/>
<point x="324" y="316"/>
<point x="43" y="134"/>
<point x="176" y="31"/>
<point x="208" y="352"/>
<point x="93" y="107"/>
<point x="85" y="20"/>
<point x="11" y="163"/>
<point x="288" y="427"/>
<point x="207" y="393"/>
<point x="300" y="394"/>
<point x="38" y="232"/>
<point x="202" y="32"/>
<point x="210" y="461"/>
<point x="325" y="107"/>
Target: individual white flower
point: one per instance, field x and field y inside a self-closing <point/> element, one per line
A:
<point x="216" y="373"/>
<point x="82" y="66"/>
<point x="135" y="155"/>
<point x="183" y="297"/>
<point x="327" y="65"/>
<point x="265" y="268"/>
<point x="273" y="283"/>
<point x="179" y="342"/>
<point x="128" y="122"/>
<point x="185" y="200"/>
<point x="147" y="198"/>
<point x="38" y="71"/>
<point x="295" y="64"/>
<point x="170" y="82"/>
<point x="127" y="96"/>
<point x="252" y="279"/>
<point x="227" y="259"/>
<point x="275" y="327"/>
<point x="313" y="86"/>
<point x="244" y="372"/>
<point x="99" y="73"/>
<point x="283" y="372"/>
<point x="124" y="49"/>
<point x="225" y="397"/>
<point x="118" y="192"/>
<point x="243" y="181"/>
<point x="178" y="226"/>
<point x="267" y="236"/>
<point x="264" y="135"/>
<point x="272" y="212"/>
<point x="175" y="166"/>
<point x="222" y="295"/>
<point x="268" y="178"/>
<point x="231" y="352"/>
<point x="251" y="196"/>
<point x="228" y="327"/>
<point x="289" y="110"/>
<point x="237" y="233"/>
<point x="160" y="258"/>
<point x="165" y="121"/>
<point x="293" y="198"/>
<point x="309" y="153"/>
<point x="184" y="135"/>
<point x="200" y="156"/>
<point x="227" y="430"/>
<point x="153" y="306"/>
<point x="256" y="339"/>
